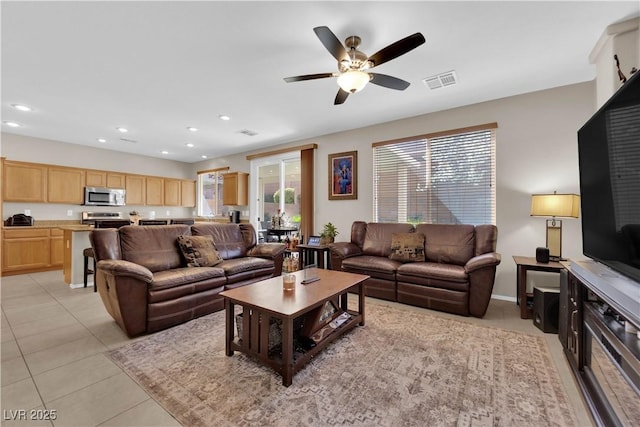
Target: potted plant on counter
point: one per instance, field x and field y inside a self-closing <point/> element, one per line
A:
<point x="329" y="233"/>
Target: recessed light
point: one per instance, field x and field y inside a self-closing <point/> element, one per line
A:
<point x="12" y="124"/>
<point x="164" y="152"/>
<point x="203" y="156"/>
<point x="192" y="129"/>
<point x="21" y="107"/>
<point x="224" y="117"/>
<point x="123" y="130"/>
<point x="102" y="140"/>
<point x="189" y="144"/>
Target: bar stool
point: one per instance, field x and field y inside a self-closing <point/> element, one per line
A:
<point x="88" y="253"/>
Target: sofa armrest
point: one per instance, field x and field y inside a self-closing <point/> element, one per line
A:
<point x="267" y="250"/>
<point x="272" y="251"/>
<point x="125" y="269"/>
<point x="490" y="259"/>
<point x="482" y="274"/>
<point x="342" y="250"/>
<point x="123" y="288"/>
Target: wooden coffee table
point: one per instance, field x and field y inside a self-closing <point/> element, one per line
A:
<point x="264" y="300"/>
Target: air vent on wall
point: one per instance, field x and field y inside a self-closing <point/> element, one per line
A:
<point x="248" y="132"/>
<point x="440" y="80"/>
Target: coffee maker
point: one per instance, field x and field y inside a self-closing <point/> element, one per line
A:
<point x="234" y="216"/>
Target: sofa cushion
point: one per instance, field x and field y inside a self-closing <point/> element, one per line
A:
<point x="448" y="243"/>
<point x="377" y="241"/>
<point x="152" y="246"/>
<point x="407" y="247"/>
<point x="228" y="238"/>
<point x="199" y="251"/>
<point x="186" y="276"/>
<point x="374" y="266"/>
<point x="240" y="265"/>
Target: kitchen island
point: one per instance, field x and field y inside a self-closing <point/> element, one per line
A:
<point x="75" y="239"/>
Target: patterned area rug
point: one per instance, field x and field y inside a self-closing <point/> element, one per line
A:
<point x="405" y="367"/>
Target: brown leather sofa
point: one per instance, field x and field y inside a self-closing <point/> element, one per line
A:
<point x="457" y="275"/>
<point x="144" y="281"/>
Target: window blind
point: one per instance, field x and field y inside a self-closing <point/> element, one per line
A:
<point x="448" y="179"/>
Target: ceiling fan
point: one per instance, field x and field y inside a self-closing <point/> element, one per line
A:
<point x="353" y="64"/>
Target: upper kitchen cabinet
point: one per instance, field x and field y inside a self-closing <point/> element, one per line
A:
<point x="155" y="191"/>
<point x="188" y="193"/>
<point x="24" y="182"/>
<point x="235" y="189"/>
<point x="171" y="192"/>
<point x="135" y="186"/>
<point x="116" y="180"/>
<point x="95" y="178"/>
<point x="65" y="185"/>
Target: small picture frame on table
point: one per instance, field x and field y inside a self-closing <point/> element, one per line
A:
<point x="314" y="241"/>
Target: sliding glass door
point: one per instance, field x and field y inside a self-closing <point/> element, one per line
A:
<point x="275" y="189"/>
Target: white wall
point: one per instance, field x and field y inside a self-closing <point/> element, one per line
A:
<point x="536" y="152"/>
<point x="36" y="150"/>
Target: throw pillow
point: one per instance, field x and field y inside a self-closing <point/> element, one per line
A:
<point x="199" y="251"/>
<point x="407" y="247"/>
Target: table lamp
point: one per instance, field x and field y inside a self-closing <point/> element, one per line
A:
<point x="555" y="205"/>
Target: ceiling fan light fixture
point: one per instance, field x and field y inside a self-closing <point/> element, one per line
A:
<point x="353" y="81"/>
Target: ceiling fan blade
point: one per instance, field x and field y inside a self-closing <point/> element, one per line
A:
<point x="341" y="97"/>
<point x="388" y="81"/>
<point x="331" y="42"/>
<point x="308" y="77"/>
<point x="396" y="49"/>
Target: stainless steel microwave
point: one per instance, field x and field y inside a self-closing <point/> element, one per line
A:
<point x="99" y="196"/>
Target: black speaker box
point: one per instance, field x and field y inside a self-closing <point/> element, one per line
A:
<point x="542" y="255"/>
<point x="546" y="308"/>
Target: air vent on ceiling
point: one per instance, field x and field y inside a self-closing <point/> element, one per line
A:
<point x="128" y="140"/>
<point x="248" y="132"/>
<point x="440" y="80"/>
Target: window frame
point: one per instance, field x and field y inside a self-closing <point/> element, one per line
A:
<point x="200" y="188"/>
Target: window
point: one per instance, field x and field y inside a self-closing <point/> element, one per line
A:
<point x="444" y="178"/>
<point x="210" y="193"/>
<point x="275" y="176"/>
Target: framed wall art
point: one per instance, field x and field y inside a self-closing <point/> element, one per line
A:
<point x="343" y="176"/>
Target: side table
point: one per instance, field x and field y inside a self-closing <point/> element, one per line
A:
<point x="524" y="264"/>
<point x="320" y="254"/>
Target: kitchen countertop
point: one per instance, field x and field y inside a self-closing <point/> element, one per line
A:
<point x="48" y="224"/>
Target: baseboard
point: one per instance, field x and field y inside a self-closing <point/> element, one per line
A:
<point x="503" y="298"/>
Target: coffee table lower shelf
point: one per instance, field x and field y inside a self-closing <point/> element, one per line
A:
<point x="300" y="359"/>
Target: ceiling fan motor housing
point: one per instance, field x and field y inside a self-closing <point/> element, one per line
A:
<point x="357" y="59"/>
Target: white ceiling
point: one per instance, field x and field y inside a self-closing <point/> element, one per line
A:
<point x="159" y="67"/>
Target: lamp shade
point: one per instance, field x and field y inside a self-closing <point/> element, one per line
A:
<point x="555" y="205"/>
<point x="353" y="81"/>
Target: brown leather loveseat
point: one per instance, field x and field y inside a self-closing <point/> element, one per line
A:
<point x="146" y="284"/>
<point x="447" y="267"/>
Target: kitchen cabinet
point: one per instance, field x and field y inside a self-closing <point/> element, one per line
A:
<point x="116" y="180"/>
<point x="172" y="192"/>
<point x="56" y="246"/>
<point x="235" y="189"/>
<point x="188" y="193"/>
<point x="24" y="182"/>
<point x="135" y="186"/>
<point x="65" y="185"/>
<point x="95" y="178"/>
<point x="28" y="249"/>
<point x="155" y="191"/>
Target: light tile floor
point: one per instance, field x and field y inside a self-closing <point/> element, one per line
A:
<point x="54" y="339"/>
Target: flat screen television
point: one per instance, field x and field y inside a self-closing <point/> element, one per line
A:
<point x="609" y="155"/>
